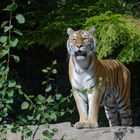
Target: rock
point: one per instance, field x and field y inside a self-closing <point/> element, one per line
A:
<point x="67" y="132"/>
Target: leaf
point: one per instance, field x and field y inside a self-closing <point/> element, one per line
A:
<point x="29" y="134"/>
<point x="24" y="105"/>
<point x="53" y="116"/>
<point x="54" y="71"/>
<point x="44" y="82"/>
<point x="4" y="23"/>
<point x="20" y="18"/>
<point x="41" y="98"/>
<point x="11" y="83"/>
<point x="30" y="117"/>
<point x="10" y="93"/>
<point x="9" y="101"/>
<point x="20" y="91"/>
<point x="48" y="68"/>
<point x="15" y="129"/>
<point x="54" y="62"/>
<point x="4" y="52"/>
<point x="62" y="113"/>
<point x="46" y="125"/>
<point x="38" y="117"/>
<point x="48" y="134"/>
<point x="3" y="114"/>
<point x="44" y="70"/>
<point x="11" y="7"/>
<point x="49" y="88"/>
<point x="16" y="58"/>
<point x="17" y="31"/>
<point x="84" y="91"/>
<point x="14" y="42"/>
<point x="100" y="79"/>
<point x="58" y="96"/>
<point x="55" y="130"/>
<point x="1" y="85"/>
<point x="18" y="86"/>
<point x="50" y="99"/>
<point x="7" y="28"/>
<point x="3" y="39"/>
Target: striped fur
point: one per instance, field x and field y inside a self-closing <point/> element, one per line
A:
<point x="106" y="82"/>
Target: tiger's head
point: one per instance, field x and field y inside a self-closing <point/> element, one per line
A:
<point x="81" y="43"/>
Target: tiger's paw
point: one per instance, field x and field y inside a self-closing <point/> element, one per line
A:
<point x="79" y="125"/>
<point x="91" y="125"/>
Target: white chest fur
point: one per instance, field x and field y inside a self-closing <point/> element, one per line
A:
<point x="83" y="76"/>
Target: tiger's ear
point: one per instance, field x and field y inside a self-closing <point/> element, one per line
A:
<point x="92" y="30"/>
<point x="70" y="31"/>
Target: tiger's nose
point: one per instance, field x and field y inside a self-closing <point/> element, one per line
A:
<point x="79" y="45"/>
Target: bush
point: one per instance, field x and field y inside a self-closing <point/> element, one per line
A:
<point x="40" y="109"/>
<point x="118" y="36"/>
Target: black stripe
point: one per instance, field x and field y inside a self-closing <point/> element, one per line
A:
<point x="94" y="68"/>
<point x="117" y="95"/>
<point x="93" y="86"/>
<point x="110" y="118"/>
<point x="86" y="101"/>
<point x="119" y="101"/>
<point x="88" y="65"/>
<point x="76" y="89"/>
<point x="124" y="114"/>
<point x="75" y="81"/>
<point x="125" y="124"/>
<point x="114" y="122"/>
<point x="112" y="112"/>
<point x="117" y="86"/>
<point x="74" y="66"/>
<point x="103" y="96"/>
<point x="110" y="107"/>
<point x="83" y="68"/>
<point x="124" y="117"/>
<point x="124" y="107"/>
<point x="90" y="78"/>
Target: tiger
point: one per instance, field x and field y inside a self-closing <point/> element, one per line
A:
<point x="106" y="82"/>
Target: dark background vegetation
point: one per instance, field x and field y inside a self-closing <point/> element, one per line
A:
<point x="44" y="40"/>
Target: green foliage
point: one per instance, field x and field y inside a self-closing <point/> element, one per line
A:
<point x="57" y="16"/>
<point x="116" y="36"/>
<point x="24" y="105"/>
<point x="38" y="109"/>
<point x="8" y="86"/>
<point x="20" y="18"/>
<point x="11" y="8"/>
<point x="52" y="25"/>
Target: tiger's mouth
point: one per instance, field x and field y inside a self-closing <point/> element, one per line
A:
<point x="80" y="53"/>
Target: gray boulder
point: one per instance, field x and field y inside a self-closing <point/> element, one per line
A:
<point x="67" y="132"/>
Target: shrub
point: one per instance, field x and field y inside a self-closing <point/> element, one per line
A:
<point x="118" y="36"/>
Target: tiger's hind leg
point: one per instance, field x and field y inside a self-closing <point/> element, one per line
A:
<point x="123" y="100"/>
<point x="112" y="115"/>
<point x="125" y="112"/>
<point x="125" y="115"/>
<point x="111" y="111"/>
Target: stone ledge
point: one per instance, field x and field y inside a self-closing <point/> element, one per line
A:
<point x="67" y="132"/>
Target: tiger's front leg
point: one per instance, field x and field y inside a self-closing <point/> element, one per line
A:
<point x="93" y="108"/>
<point x="82" y="106"/>
<point x="88" y="107"/>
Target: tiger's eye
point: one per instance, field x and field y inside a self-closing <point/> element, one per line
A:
<point x="73" y="39"/>
<point x="85" y="38"/>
